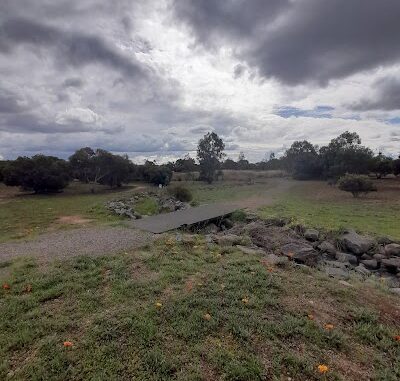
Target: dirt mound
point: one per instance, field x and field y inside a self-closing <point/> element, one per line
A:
<point x="266" y="235"/>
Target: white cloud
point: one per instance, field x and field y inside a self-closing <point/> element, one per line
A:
<point x="184" y="90"/>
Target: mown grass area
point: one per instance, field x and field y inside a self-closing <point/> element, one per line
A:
<point x="225" y="191"/>
<point x="319" y="205"/>
<point x="186" y="311"/>
<point x="24" y="215"/>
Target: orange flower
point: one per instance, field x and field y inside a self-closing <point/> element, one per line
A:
<point x="310" y="316"/>
<point x="329" y="327"/>
<point x="322" y="368"/>
<point x="158" y="304"/>
<point x="270" y="269"/>
<point x="397" y="337"/>
<point x="207" y="317"/>
<point x="68" y="344"/>
<point x="6" y="286"/>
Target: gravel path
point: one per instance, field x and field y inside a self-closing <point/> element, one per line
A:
<point x="93" y="241"/>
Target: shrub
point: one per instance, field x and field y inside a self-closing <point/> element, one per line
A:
<point x="181" y="193"/>
<point x="238" y="216"/>
<point x="42" y="174"/>
<point x="356" y="184"/>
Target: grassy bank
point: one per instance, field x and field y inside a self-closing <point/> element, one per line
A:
<point x="188" y="312"/>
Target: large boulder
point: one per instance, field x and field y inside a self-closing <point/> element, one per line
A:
<point x="393" y="249"/>
<point x="392" y="264"/>
<point x="327" y="247"/>
<point x="370" y="264"/>
<point x="356" y="243"/>
<point x="346" y="258"/>
<point x="362" y="270"/>
<point x="311" y="235"/>
<point x="301" y="253"/>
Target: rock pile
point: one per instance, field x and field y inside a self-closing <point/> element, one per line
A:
<point x="127" y="207"/>
<point x="348" y="253"/>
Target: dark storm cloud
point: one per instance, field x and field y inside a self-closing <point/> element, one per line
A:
<point x="70" y="48"/>
<point x="29" y="123"/>
<point x="386" y="98"/>
<point x="73" y="82"/>
<point x="9" y="103"/>
<point x="303" y="40"/>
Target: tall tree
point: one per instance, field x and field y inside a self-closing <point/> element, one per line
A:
<point x="381" y="165"/>
<point x="302" y="160"/>
<point x="209" y="153"/>
<point x="345" y="154"/>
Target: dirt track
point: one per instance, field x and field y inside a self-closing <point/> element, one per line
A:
<point x="93" y="241"/>
<point x="97" y="241"/>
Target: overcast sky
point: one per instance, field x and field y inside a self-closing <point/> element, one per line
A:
<point x="149" y="78"/>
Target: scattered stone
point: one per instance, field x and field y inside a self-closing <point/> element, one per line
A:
<point x="379" y="257"/>
<point x="274" y="259"/>
<point x="335" y="272"/>
<point x="395" y="290"/>
<point x="385" y="241"/>
<point x="311" y="235"/>
<point x="188" y="239"/>
<point x="345" y="257"/>
<point x="370" y="264"/>
<point x="227" y="223"/>
<point x="365" y="257"/>
<point x="228" y="239"/>
<point x="393" y="249"/>
<point x="362" y="270"/>
<point x="344" y="283"/>
<point x="211" y="229"/>
<point x="337" y="264"/>
<point x="392" y="264"/>
<point x="356" y="243"/>
<point x="327" y="247"/>
<point x="126" y="207"/>
<point x="301" y="253"/>
<point x="250" y="251"/>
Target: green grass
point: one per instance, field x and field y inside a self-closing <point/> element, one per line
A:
<point x="224" y="191"/>
<point x="147" y="206"/>
<point x="106" y="308"/>
<point x="377" y="217"/>
<point x="27" y="215"/>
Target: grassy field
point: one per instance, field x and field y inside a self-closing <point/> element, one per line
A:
<point x="178" y="311"/>
<point x="317" y="204"/>
<point x="25" y="215"/>
<point x="311" y="203"/>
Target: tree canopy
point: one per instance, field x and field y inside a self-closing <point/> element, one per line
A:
<point x="209" y="153"/>
<point x="42" y="174"/>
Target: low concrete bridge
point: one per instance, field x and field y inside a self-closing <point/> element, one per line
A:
<point x="174" y="220"/>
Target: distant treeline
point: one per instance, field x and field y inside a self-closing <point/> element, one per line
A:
<point x="302" y="160"/>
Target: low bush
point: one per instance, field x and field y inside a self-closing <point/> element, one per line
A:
<point x="356" y="184"/>
<point x="181" y="193"/>
<point x="238" y="216"/>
